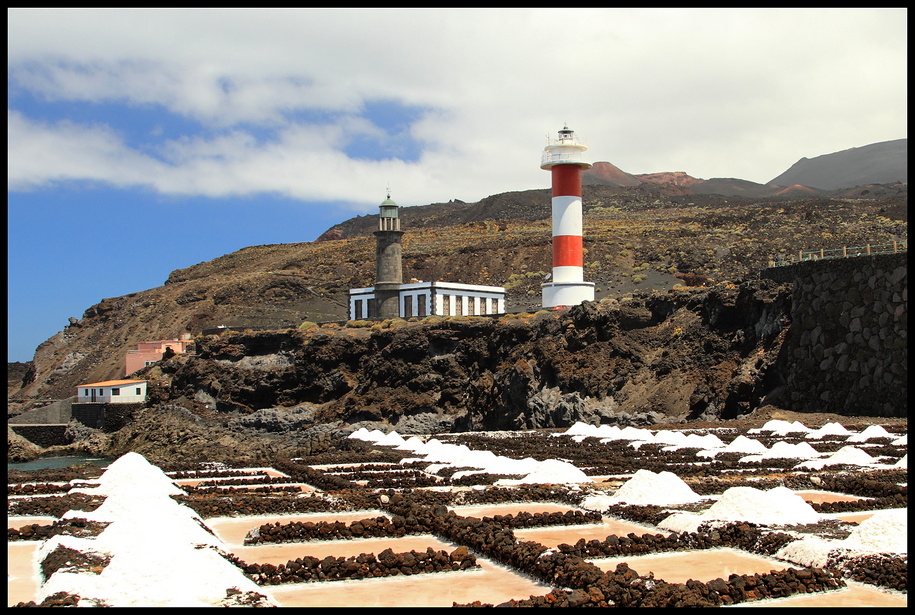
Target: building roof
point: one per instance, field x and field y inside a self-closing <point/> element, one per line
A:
<point x="109" y="383"/>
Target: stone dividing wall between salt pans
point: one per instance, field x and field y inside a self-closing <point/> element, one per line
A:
<point x="846" y="349"/>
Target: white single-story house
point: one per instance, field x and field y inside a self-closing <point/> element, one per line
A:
<point x="428" y="298"/>
<point x="112" y="392"/>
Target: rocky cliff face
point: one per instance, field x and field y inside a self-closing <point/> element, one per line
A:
<point x="685" y="354"/>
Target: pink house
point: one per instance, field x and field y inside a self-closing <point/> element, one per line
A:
<point x="147" y="353"/>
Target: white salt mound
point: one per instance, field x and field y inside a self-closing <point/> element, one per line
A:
<point x="412" y="444"/>
<point x="784" y="450"/>
<point x="666" y="436"/>
<point x="782" y="428"/>
<point x="126" y="471"/>
<point x="579" y="429"/>
<point x="871" y="431"/>
<point x="886" y="531"/>
<point x="847" y="455"/>
<point x="610" y="433"/>
<point x="160" y="552"/>
<point x="706" y="442"/>
<point x="550" y="471"/>
<point x="661" y="489"/>
<point x="829" y="429"/>
<point x="778" y="506"/>
<point x="740" y="444"/>
<point x="809" y="551"/>
<point x="391" y="439"/>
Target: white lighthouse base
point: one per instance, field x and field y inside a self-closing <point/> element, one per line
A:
<point x="567" y="293"/>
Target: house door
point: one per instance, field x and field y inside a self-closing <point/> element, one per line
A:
<point x="92" y="395"/>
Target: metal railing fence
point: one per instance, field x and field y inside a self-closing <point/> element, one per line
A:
<point x="843" y="252"/>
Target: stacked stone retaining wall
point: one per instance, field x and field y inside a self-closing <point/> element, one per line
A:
<point x="846" y="349"/>
<point x="109" y="417"/>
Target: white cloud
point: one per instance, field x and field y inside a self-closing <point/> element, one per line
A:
<point x="38" y="153"/>
<point x="715" y="93"/>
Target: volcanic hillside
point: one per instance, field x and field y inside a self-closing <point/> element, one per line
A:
<point x="636" y="237"/>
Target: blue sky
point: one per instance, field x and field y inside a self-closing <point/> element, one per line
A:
<point x="195" y="133"/>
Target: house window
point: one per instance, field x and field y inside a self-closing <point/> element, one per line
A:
<point x="115" y="391"/>
<point x="87" y="392"/>
<point x="138" y="391"/>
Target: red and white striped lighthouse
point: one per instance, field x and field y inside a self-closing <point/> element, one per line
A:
<point x="563" y="158"/>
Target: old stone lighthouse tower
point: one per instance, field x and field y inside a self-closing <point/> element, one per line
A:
<point x="388" y="254"/>
<point x="391" y="298"/>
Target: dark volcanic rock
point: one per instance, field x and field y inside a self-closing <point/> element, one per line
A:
<point x="18" y="449"/>
<point x="657" y="357"/>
